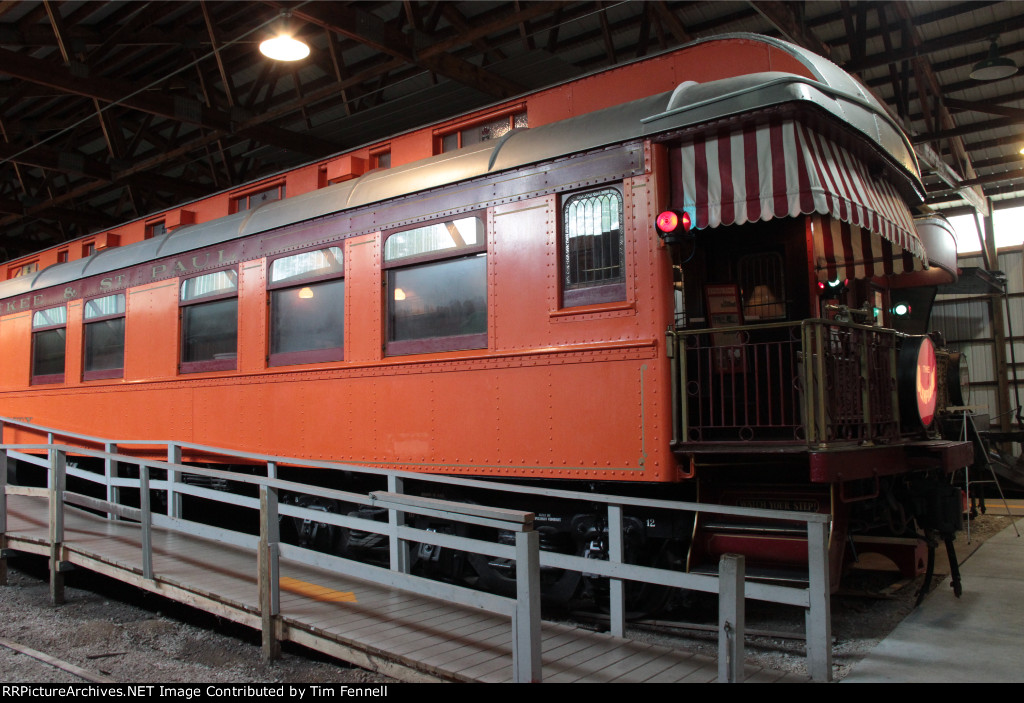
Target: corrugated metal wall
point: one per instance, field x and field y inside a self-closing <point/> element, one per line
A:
<point x="966" y="323"/>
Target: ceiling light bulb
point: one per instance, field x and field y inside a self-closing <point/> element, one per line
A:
<point x="284" y="48"/>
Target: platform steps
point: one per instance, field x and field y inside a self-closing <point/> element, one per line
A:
<point x="775" y="552"/>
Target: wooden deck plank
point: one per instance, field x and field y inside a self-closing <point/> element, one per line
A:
<point x="579" y="664"/>
<point x="498" y="647"/>
<point x="453" y="651"/>
<point x="443" y="649"/>
<point x="439" y="626"/>
<point x="346" y="617"/>
<point x="651" y="668"/>
<point x="567" y="649"/>
<point x="606" y="666"/>
<point x="695" y="670"/>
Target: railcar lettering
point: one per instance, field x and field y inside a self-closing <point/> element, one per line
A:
<point x="113" y="282"/>
<point x="800" y="506"/>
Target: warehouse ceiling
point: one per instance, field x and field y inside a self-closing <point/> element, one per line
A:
<point x="110" y="111"/>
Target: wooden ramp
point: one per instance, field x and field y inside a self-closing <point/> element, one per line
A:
<point x="394" y="632"/>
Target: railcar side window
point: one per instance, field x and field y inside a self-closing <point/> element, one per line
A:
<point x="437" y="287"/>
<point x="104" y="337"/>
<point x="307" y="307"/>
<point x="593" y="248"/>
<point x="49" y="336"/>
<point x="209" y="322"/>
<point x="477" y="132"/>
<point x="255" y="199"/>
<point x="24" y="270"/>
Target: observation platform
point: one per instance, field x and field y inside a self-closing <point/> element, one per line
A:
<point x="394" y="632"/>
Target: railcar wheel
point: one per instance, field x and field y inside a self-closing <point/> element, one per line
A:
<point x="436" y="562"/>
<point x="642" y="599"/>
<point x="319" y="536"/>
<point x="557" y="586"/>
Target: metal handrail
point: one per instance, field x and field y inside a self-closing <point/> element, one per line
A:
<point x="818" y="420"/>
<point x="814" y="599"/>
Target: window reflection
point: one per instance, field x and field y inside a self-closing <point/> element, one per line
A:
<point x="48" y="353"/>
<point x="104" y="345"/>
<point x="104" y="337"/>
<point x="209" y="331"/>
<point x="307" y="307"/>
<point x="442" y="299"/>
<point x="49" y="345"/>
<point x="308" y="318"/>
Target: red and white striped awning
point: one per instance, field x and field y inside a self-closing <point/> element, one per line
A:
<point x="786" y="169"/>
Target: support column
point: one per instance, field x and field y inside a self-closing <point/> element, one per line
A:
<point x="268" y="576"/>
<point x="3" y="513"/>
<point x="1004" y="412"/>
<point x="732" y="618"/>
<point x="58" y="471"/>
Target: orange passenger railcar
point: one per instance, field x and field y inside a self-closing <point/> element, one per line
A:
<point x="500" y="302"/>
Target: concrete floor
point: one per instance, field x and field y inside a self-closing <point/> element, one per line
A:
<point x="971" y="639"/>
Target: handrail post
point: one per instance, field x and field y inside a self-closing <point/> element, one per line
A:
<point x="616" y="588"/>
<point x="807" y="373"/>
<point x="147" y="522"/>
<point x="3" y="511"/>
<point x="865" y="388"/>
<point x="526" y="659"/>
<point x="268" y="573"/>
<point x="684" y="403"/>
<point x="731" y="618"/>
<point x="173" y="497"/>
<point x="821" y="402"/>
<point x="818" y="619"/>
<point x="397" y="548"/>
<point x="109" y="469"/>
<point x="671" y="351"/>
<point x="58" y="477"/>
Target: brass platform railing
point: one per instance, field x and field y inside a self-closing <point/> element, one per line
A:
<point x="814" y="382"/>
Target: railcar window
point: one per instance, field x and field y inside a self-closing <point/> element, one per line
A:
<point x="437" y="287"/>
<point x="253" y="200"/>
<point x="155" y="229"/>
<point x="483" y="131"/>
<point x="104" y="337"/>
<point x="307" y="307"/>
<point x="593" y="248"/>
<point x="209" y="322"/>
<point x="25" y="269"/>
<point x="49" y="336"/>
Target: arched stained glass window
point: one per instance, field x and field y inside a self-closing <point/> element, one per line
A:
<point x="593" y="253"/>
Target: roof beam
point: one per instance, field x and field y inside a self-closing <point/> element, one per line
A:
<point x="927" y="81"/>
<point x="366" y="28"/>
<point x="176" y="108"/>
<point x="783" y="17"/>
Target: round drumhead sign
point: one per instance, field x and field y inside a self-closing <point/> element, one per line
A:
<point x="927" y="370"/>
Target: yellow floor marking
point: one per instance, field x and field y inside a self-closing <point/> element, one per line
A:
<point x="320" y="593"/>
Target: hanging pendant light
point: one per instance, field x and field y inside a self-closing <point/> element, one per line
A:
<point x="284" y="46"/>
<point x="994" y="66"/>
